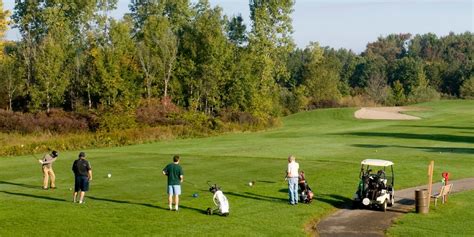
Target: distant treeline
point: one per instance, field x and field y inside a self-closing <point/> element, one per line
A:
<point x="72" y="55"/>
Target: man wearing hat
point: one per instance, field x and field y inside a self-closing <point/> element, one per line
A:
<point x="82" y="175"/>
<point x="48" y="172"/>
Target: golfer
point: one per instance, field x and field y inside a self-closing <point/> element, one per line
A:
<point x="49" y="177"/>
<point x="82" y="175"/>
<point x="175" y="178"/>
<point x="292" y="177"/>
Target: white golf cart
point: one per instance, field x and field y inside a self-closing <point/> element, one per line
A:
<point x="375" y="189"/>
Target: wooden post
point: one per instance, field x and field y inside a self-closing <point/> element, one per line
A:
<point x="430" y="181"/>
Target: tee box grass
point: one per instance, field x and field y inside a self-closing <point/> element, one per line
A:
<point x="328" y="144"/>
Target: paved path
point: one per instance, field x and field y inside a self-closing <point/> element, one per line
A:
<point x="366" y="222"/>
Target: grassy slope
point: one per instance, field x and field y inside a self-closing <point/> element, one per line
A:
<point x="329" y="145"/>
<point x="441" y="220"/>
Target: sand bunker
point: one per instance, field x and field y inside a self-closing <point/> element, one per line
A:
<point x="385" y="113"/>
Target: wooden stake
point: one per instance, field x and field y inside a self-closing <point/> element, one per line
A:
<point x="430" y="181"/>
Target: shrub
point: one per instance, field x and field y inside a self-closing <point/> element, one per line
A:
<point x="116" y="119"/>
<point x="56" y="121"/>
<point x="357" y="101"/>
<point x="157" y="112"/>
<point x="293" y="101"/>
<point x="467" y="89"/>
<point x="423" y="94"/>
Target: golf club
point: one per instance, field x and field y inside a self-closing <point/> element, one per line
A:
<point x="36" y="158"/>
<point x="194" y="185"/>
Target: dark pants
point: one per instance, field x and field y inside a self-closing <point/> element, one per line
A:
<point x="81" y="184"/>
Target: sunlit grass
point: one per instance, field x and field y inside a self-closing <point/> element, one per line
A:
<point x="329" y="145"/>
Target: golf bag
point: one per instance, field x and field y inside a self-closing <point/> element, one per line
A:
<point x="220" y="200"/>
<point x="304" y="191"/>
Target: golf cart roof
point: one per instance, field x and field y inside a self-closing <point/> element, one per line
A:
<point x="376" y="162"/>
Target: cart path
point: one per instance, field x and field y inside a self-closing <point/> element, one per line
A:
<point x="366" y="222"/>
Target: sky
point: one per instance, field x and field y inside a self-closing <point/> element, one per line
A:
<point x="351" y="24"/>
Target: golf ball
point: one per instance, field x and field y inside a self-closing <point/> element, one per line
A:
<point x="250" y="183"/>
<point x="195" y="195"/>
<point x="109" y="175"/>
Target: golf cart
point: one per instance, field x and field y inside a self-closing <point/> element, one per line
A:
<point x="375" y="189"/>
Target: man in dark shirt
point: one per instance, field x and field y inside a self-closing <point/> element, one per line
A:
<point x="175" y="178"/>
<point x="82" y="174"/>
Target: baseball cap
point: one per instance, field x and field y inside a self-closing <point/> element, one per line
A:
<point x="82" y="154"/>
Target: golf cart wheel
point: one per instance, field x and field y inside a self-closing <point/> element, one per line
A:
<point x="392" y="201"/>
<point x="355" y="204"/>
<point x="384" y="206"/>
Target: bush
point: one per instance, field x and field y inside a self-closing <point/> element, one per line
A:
<point x="467" y="89"/>
<point x="157" y="112"/>
<point x="293" y="101"/>
<point x="423" y="94"/>
<point x="357" y="101"/>
<point x="56" y="121"/>
<point x="116" y="119"/>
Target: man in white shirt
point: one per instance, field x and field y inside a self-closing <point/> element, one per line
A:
<point x="292" y="177"/>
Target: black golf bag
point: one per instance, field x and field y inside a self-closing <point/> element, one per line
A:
<point x="304" y="191"/>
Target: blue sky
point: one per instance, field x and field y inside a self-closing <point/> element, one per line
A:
<point x="352" y="24"/>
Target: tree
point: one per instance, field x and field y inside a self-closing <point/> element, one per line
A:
<point x="114" y="64"/>
<point x="377" y="88"/>
<point x="409" y="72"/>
<point x="10" y="80"/>
<point x="392" y="47"/>
<point x="51" y="76"/>
<point x="467" y="89"/>
<point x="321" y="78"/>
<point x="365" y="68"/>
<point x="3" y="25"/>
<point x="207" y="48"/>
<point x="270" y="41"/>
<point x="398" y="93"/>
<point x="237" y="31"/>
<point x="51" y="80"/>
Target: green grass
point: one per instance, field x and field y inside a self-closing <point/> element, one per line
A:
<point x="329" y="145"/>
<point x="457" y="212"/>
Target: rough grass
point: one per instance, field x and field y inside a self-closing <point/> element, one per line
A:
<point x="329" y="145"/>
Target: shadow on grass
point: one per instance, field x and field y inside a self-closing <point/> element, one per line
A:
<point x="34" y="196"/>
<point x="424" y="126"/>
<point x="21" y="185"/>
<point x="335" y="200"/>
<point x="143" y="204"/>
<point x="257" y="197"/>
<point x="125" y="202"/>
<point x="458" y="150"/>
<point x="266" y="181"/>
<point x="433" y="137"/>
<point x="193" y="209"/>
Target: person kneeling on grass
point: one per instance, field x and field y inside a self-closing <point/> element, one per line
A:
<point x="82" y="175"/>
<point x="175" y="178"/>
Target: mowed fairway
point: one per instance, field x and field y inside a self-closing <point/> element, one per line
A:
<point x="329" y="145"/>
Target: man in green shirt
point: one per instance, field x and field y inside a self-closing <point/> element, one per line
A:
<point x="175" y="178"/>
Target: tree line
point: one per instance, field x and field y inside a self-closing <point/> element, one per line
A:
<point x="73" y="55"/>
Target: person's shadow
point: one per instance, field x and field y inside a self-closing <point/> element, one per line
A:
<point x="20" y="185"/>
<point x="143" y="204"/>
<point x="34" y="196"/>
